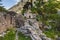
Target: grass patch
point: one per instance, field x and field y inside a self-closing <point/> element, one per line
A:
<point x="50" y="34"/>
<point x="23" y="37"/>
<point x="10" y="35"/>
<point x="1" y="38"/>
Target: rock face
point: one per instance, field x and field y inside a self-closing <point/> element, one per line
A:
<point x="10" y="19"/>
<point x="58" y="38"/>
<point x="5" y="21"/>
<point x="19" y="7"/>
<point x="30" y="25"/>
<point x="19" y="20"/>
<point x="31" y="28"/>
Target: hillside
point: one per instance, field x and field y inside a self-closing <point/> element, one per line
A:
<point x="31" y="20"/>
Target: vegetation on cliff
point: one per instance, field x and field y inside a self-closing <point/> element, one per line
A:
<point x="47" y="14"/>
<point x="11" y="35"/>
<point x="23" y="37"/>
<point x="2" y="9"/>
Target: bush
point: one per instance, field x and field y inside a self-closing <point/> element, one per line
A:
<point x="23" y="37"/>
<point x="2" y="9"/>
<point x="10" y="35"/>
<point x="1" y="38"/>
<point x="50" y="34"/>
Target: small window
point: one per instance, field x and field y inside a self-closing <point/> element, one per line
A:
<point x="29" y="16"/>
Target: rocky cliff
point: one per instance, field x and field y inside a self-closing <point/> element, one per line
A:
<point x="10" y="19"/>
<point x="19" y="7"/>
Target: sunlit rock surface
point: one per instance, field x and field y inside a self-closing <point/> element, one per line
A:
<point x="31" y="28"/>
<point x="7" y="20"/>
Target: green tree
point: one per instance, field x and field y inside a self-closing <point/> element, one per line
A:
<point x="2" y="9"/>
<point x="47" y="11"/>
<point x="44" y="9"/>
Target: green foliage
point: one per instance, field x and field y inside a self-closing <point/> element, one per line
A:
<point x="46" y="7"/>
<point x="50" y="34"/>
<point x="47" y="11"/>
<point x="2" y="9"/>
<point x="23" y="11"/>
<point x="33" y="9"/>
<point x="1" y="38"/>
<point x="10" y="35"/>
<point x="39" y="18"/>
<point x="23" y="37"/>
